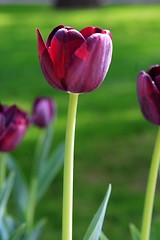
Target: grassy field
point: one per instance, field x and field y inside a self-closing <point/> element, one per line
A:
<point x="113" y="142"/>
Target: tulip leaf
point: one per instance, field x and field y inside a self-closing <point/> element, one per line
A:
<point x="6" y="226"/>
<point x="50" y="171"/>
<point x="95" y="228"/>
<point x="5" y="193"/>
<point x="134" y="232"/>
<point x="42" y="149"/>
<point x="103" y="237"/>
<point x="18" y="233"/>
<point x="20" y="187"/>
<point x="37" y="230"/>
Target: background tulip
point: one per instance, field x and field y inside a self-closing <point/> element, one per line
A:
<point x="13" y="125"/>
<point x="148" y="87"/>
<point x="75" y="61"/>
<point x="44" y="111"/>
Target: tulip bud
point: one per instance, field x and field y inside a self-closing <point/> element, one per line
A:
<point x="148" y="87"/>
<point x="44" y="111"/>
<point x="13" y="125"/>
<point x="74" y="61"/>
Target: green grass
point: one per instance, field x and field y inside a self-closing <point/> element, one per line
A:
<point x="113" y="141"/>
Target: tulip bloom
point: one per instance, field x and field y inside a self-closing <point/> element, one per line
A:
<point x="74" y="61"/>
<point x="13" y="125"/>
<point x="148" y="87"/>
<point x="44" y="111"/>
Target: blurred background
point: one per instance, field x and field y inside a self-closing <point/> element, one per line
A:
<point x="114" y="143"/>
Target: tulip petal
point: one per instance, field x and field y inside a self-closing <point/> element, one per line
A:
<point x="14" y="129"/>
<point x="48" y="43"/>
<point x="12" y="137"/>
<point x="154" y="72"/>
<point x="43" y="112"/>
<point x="89" y="64"/>
<point x="149" y="98"/>
<point x="49" y="71"/>
<point x="88" y="31"/>
<point x="41" y="45"/>
<point x="2" y="123"/>
<point x="64" y="44"/>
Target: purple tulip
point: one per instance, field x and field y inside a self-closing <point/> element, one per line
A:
<point x="44" y="111"/>
<point x="148" y="87"/>
<point x="74" y="61"/>
<point x="13" y="125"/>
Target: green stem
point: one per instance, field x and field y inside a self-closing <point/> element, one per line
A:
<point x="68" y="169"/>
<point x="2" y="169"/>
<point x="31" y="204"/>
<point x="150" y="193"/>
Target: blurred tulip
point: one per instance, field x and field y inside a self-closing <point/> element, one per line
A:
<point x="13" y="125"/>
<point x="148" y="87"/>
<point x="74" y="61"/>
<point x="44" y="110"/>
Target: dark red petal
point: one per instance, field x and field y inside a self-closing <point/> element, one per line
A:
<point x="48" y="43"/>
<point x="149" y="98"/>
<point x="88" y="31"/>
<point x="49" y="71"/>
<point x="64" y="44"/>
<point x="2" y="124"/>
<point x="154" y="72"/>
<point x="41" y="45"/>
<point x="12" y="137"/>
<point x="17" y="124"/>
<point x="89" y="64"/>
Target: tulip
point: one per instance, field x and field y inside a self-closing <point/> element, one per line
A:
<point x="13" y="125"/>
<point x="74" y="61"/>
<point x="148" y="87"/>
<point x="44" y="111"/>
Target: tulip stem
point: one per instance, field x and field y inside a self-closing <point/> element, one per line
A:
<point x="31" y="203"/>
<point x="68" y="169"/>
<point x="150" y="192"/>
<point x="2" y="169"/>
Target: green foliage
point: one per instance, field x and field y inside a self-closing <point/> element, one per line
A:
<point x="134" y="232"/>
<point x="103" y="237"/>
<point x="27" y="195"/>
<point x="95" y="228"/>
<point x="5" y="193"/>
<point x="113" y="141"/>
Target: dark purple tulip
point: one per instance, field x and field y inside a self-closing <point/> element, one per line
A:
<point x="74" y="61"/>
<point x="44" y="111"/>
<point x="148" y="87"/>
<point x="13" y="125"/>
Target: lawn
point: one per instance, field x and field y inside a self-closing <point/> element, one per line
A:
<point x="113" y="141"/>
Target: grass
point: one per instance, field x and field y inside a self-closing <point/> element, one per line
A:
<point x="113" y="141"/>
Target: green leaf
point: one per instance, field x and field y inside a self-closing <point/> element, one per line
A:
<point x="17" y="234"/>
<point x="37" y="230"/>
<point x="95" y="228"/>
<point x="42" y="149"/>
<point x="20" y="187"/>
<point x="5" y="193"/>
<point x="7" y="224"/>
<point x="51" y="170"/>
<point x="103" y="237"/>
<point x="155" y="231"/>
<point x="134" y="232"/>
